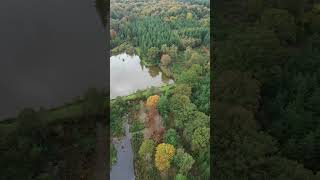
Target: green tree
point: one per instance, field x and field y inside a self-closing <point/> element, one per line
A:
<point x="178" y="102"/>
<point x="117" y="111"/>
<point x="201" y="139"/>
<point x="201" y="95"/>
<point x="171" y="137"/>
<point x="182" y="89"/>
<point x="173" y="51"/>
<point x="165" y="49"/>
<point x="191" y="76"/>
<point x="181" y="118"/>
<point x="147" y="149"/>
<point x="198" y="120"/>
<point x="183" y="161"/>
<point x="196" y="58"/>
<point x="153" y="55"/>
<point x="164" y="109"/>
<point x="137" y="139"/>
<point x="180" y="177"/>
<point x="188" y="53"/>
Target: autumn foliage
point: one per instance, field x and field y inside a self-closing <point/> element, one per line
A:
<point x="157" y="134"/>
<point x="113" y="34"/>
<point x="165" y="60"/>
<point x="152" y="101"/>
<point x="154" y="123"/>
<point x="164" y="156"/>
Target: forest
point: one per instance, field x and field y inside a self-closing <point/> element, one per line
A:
<point x="266" y="89"/>
<point x="151" y="30"/>
<point x="170" y="127"/>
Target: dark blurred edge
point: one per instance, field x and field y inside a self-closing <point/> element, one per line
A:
<point x="212" y="62"/>
<point x="103" y="127"/>
<point x="243" y="143"/>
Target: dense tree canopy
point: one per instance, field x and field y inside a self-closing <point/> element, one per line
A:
<point x="184" y="161"/>
<point x="173" y="35"/>
<point x="266" y="78"/>
<point x="171" y="137"/>
<point x="159" y="27"/>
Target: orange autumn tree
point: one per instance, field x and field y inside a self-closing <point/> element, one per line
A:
<point x="152" y="101"/>
<point x="164" y="156"/>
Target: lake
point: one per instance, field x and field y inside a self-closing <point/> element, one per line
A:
<point x="128" y="74"/>
<point x="51" y="52"/>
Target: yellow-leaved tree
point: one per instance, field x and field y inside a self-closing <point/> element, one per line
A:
<point x="152" y="101"/>
<point x="164" y="156"/>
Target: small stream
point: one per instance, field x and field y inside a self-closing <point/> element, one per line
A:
<point x="123" y="169"/>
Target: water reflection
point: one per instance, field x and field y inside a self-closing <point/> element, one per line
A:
<point x="154" y="71"/>
<point x="127" y="75"/>
<point x="166" y="79"/>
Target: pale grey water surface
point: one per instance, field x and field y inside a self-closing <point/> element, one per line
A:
<point x="123" y="169"/>
<point x="127" y="75"/>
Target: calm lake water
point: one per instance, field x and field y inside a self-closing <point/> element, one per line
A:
<point x="51" y="51"/>
<point x="127" y="75"/>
